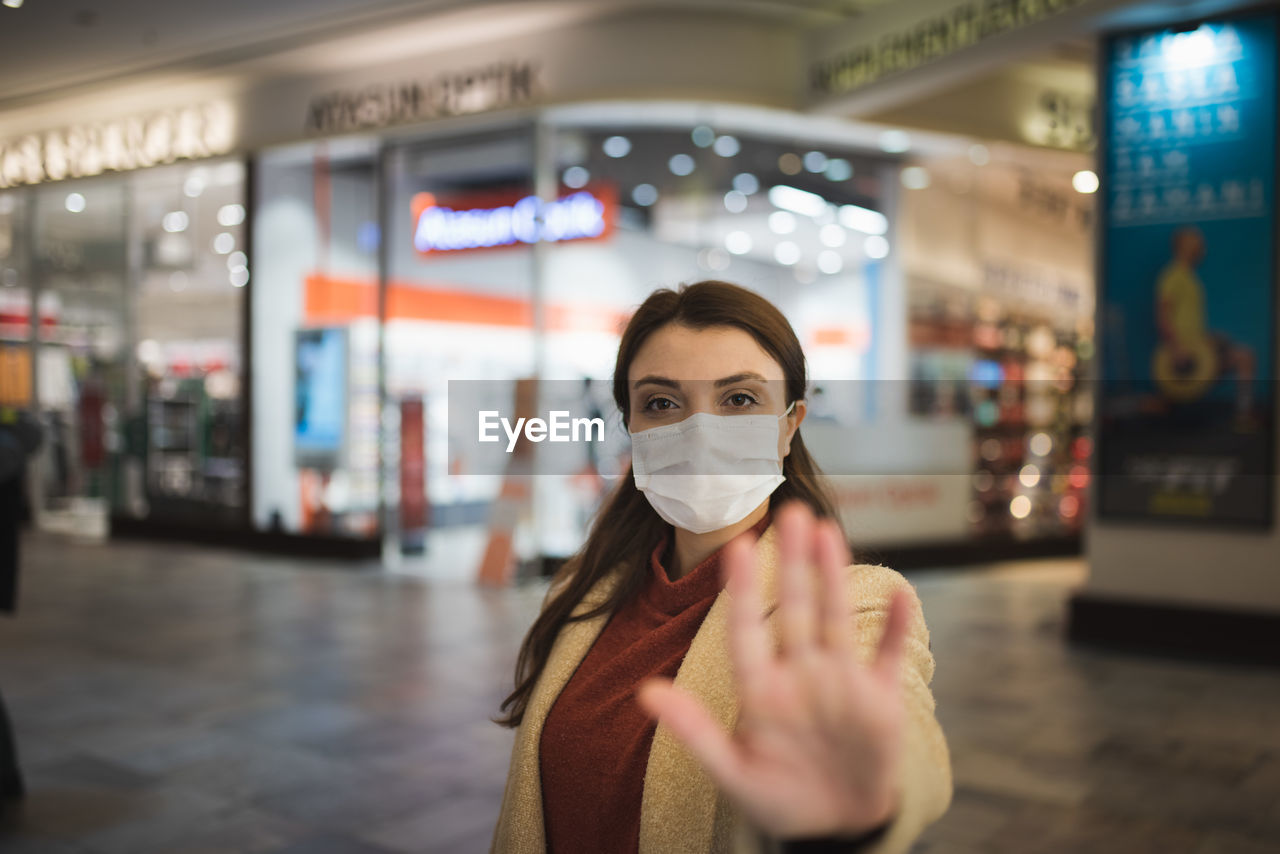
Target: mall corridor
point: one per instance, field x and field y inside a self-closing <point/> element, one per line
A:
<point x="177" y="701"/>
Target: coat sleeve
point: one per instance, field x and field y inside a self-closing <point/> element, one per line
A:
<point x="925" y="784"/>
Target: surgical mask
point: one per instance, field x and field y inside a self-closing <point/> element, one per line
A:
<point x="708" y="471"/>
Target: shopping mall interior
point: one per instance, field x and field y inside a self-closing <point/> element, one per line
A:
<point x="263" y="588"/>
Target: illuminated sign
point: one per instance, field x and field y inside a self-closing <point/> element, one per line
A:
<point x="81" y="151"/>
<point x="500" y="84"/>
<point x="582" y="215"/>
<point x="1187" y="392"/>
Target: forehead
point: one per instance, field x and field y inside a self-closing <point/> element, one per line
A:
<point x="682" y="353"/>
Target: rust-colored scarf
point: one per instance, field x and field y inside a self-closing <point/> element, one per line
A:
<point x="595" y="742"/>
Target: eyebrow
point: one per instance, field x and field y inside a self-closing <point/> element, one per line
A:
<point x="653" y="379"/>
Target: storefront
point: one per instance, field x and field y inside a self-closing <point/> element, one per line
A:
<point x="415" y="244"/>
<point x="262" y="338"/>
<point x="121" y="316"/>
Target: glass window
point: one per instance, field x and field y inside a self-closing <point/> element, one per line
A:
<point x="139" y="284"/>
<point x="801" y="223"/>
<point x="315" y="340"/>
<point x="188" y="223"/>
<point x="15" y="301"/>
<point x="460" y="306"/>
<point x="80" y="267"/>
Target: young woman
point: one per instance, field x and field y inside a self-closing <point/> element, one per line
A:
<point x="708" y="674"/>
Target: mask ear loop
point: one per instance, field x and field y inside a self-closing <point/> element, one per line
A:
<point x="790" y="407"/>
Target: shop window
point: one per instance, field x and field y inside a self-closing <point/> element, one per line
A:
<point x="138" y="284"/>
<point x="460" y="306"/>
<point x="315" y="340"/>
<point x="800" y="222"/>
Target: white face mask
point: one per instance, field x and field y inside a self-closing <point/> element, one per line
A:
<point x="708" y="471"/>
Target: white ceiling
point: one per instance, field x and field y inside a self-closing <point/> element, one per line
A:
<point x="50" y="46"/>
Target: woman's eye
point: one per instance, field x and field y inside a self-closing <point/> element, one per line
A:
<point x="660" y="404"/>
<point x="741" y="400"/>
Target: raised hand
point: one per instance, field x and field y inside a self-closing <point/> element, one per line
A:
<point x="818" y="743"/>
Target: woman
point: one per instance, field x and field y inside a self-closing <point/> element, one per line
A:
<point x="819" y="670"/>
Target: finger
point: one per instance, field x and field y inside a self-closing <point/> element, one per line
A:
<point x="893" y="643"/>
<point x="748" y="638"/>
<point x="693" y="726"/>
<point x="837" y="617"/>
<point x="796" y="613"/>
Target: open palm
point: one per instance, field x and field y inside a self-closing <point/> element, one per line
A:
<point x="819" y="736"/>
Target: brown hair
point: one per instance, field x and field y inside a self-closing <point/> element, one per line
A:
<point x="626" y="528"/>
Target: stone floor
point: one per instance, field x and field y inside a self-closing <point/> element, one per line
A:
<point x="181" y="701"/>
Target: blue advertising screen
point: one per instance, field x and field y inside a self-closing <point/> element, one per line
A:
<point x="320" y="396"/>
<point x="1187" y="292"/>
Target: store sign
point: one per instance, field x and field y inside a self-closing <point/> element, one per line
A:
<point x="459" y="225"/>
<point x="1061" y="120"/>
<point x="962" y="26"/>
<point x="491" y="87"/>
<point x="82" y="151"/>
<point x="1187" y="394"/>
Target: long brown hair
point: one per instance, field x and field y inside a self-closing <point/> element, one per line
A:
<point x="626" y="528"/>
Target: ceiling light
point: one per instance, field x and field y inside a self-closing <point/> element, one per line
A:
<point x="838" y="169"/>
<point x="832" y="235"/>
<point x="895" y="141"/>
<point x="746" y="183"/>
<point x="1085" y="181"/>
<point x="576" y="177"/>
<point x="717" y="259"/>
<point x="876" y="247"/>
<point x="680" y="164"/>
<point x="782" y="222"/>
<point x="726" y="146"/>
<point x="863" y="219"/>
<point x="797" y="201"/>
<point x="617" y="146"/>
<point x="735" y="202"/>
<point x="815" y="161"/>
<point x="1020" y="507"/>
<point x="703" y="136"/>
<point x="175" y="221"/>
<point x="786" y="253"/>
<point x="229" y="215"/>
<point x="75" y="202"/>
<point x="830" y="262"/>
<point x="196" y="182"/>
<point x="644" y="195"/>
<point x="738" y="242"/>
<point x="915" y="177"/>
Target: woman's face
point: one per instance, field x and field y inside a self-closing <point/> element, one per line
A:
<point x="721" y="369"/>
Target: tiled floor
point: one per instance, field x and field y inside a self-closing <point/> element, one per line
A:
<point x="180" y="701"/>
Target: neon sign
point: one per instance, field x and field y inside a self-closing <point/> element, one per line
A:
<point x="583" y="215"/>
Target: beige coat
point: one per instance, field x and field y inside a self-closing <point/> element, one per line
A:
<point x="682" y="811"/>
